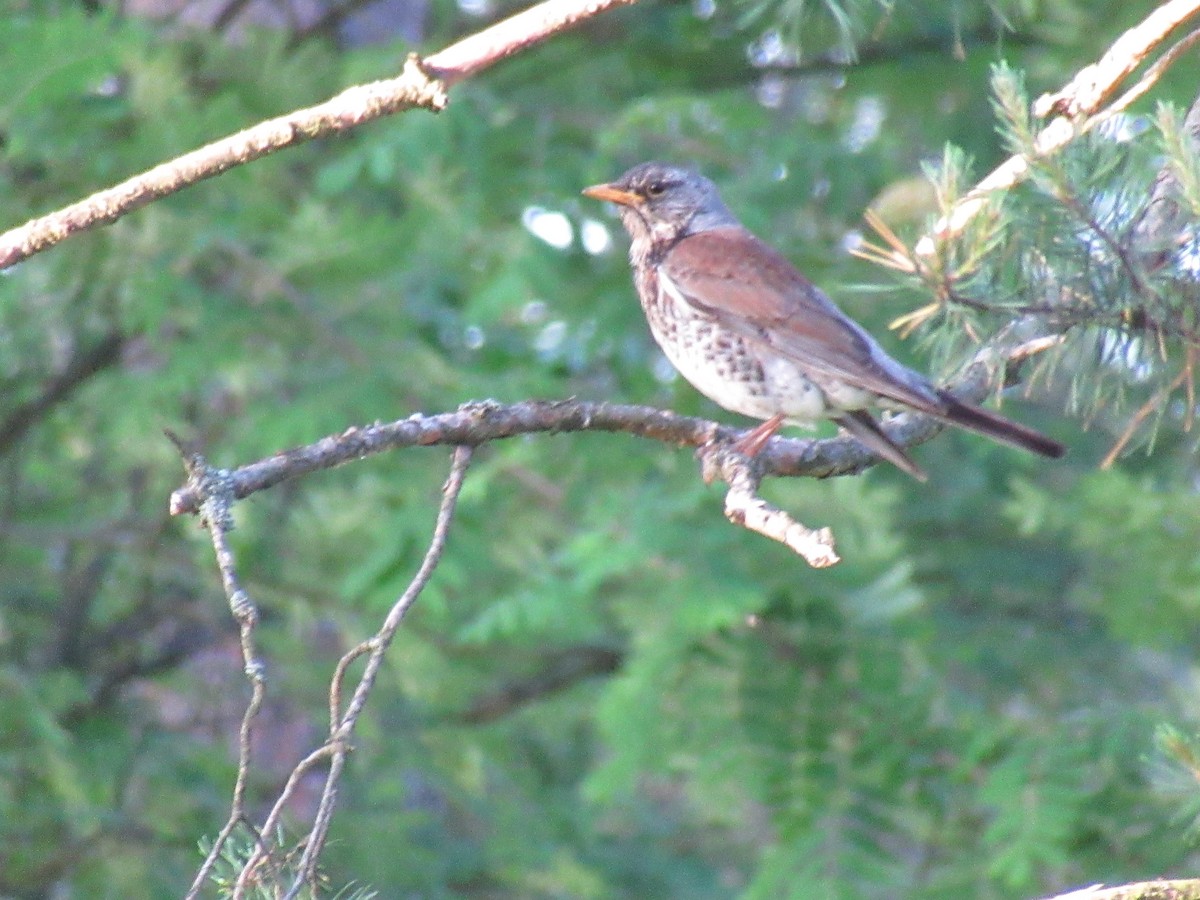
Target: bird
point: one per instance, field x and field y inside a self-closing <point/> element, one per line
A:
<point x="751" y="333"/>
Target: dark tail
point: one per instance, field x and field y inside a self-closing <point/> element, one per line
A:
<point x="985" y="422"/>
<point x="974" y="418"/>
<point x="860" y="424"/>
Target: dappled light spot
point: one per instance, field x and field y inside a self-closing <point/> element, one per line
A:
<point x="772" y="50"/>
<point x="474" y="337"/>
<point x="534" y="312"/>
<point x="550" y="338"/>
<point x="549" y="226"/>
<point x="770" y="91"/>
<point x="869" y="115"/>
<point x="664" y="372"/>
<point x="595" y="237"/>
<point x="475" y="7"/>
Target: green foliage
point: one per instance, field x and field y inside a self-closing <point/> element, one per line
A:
<point x="607" y="691"/>
<point x="1095" y="259"/>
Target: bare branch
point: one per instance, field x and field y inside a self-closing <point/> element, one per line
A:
<point x="1186" y="889"/>
<point x="341" y="730"/>
<point x="471" y="424"/>
<point x="744" y="507"/>
<point x="514" y="34"/>
<point x="212" y="485"/>
<point x="349" y="109"/>
<point x="89" y="362"/>
<point x="480" y="422"/>
<point x="340" y="737"/>
<point x="1093" y="85"/>
<point x="564" y="668"/>
<point x="421" y="85"/>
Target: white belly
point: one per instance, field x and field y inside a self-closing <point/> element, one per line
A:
<point x="731" y="372"/>
<point x="740" y="374"/>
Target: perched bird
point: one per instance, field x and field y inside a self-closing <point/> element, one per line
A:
<point x="753" y="334"/>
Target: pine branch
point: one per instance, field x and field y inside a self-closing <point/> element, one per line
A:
<point x="1077" y="107"/>
<point x="1071" y="230"/>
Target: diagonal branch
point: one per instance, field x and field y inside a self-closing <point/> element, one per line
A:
<point x="354" y="106"/>
<point x="562" y="670"/>
<point x="422" y="85"/>
<point x="485" y="48"/>
<point x="340" y="734"/>
<point x="105" y="353"/>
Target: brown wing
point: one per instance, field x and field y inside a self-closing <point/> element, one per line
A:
<point x="752" y="290"/>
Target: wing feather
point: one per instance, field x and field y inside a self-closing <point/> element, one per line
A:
<point x="752" y="290"/>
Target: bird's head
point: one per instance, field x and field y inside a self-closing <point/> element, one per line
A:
<point x="660" y="202"/>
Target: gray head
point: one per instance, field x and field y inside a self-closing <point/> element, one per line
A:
<point x="660" y="202"/>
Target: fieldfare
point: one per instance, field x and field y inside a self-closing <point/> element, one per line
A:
<point x="757" y="337"/>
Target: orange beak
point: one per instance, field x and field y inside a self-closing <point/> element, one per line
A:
<point x="612" y="195"/>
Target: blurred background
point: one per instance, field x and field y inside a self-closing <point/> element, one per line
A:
<point x="607" y="690"/>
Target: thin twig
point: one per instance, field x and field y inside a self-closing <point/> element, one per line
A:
<point x="339" y="677"/>
<point x="264" y="850"/>
<point x="214" y="487"/>
<point x="745" y="508"/>
<point x="340" y="737"/>
<point x="341" y="728"/>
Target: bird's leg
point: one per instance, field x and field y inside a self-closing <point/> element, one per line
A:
<point x="750" y="443"/>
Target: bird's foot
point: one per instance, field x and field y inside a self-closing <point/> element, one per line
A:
<point x="751" y="443"/>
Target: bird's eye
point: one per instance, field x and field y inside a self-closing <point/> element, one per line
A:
<point x="655" y="189"/>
